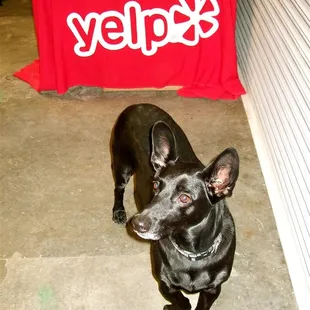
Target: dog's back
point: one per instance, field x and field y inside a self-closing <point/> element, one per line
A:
<point x="132" y="131"/>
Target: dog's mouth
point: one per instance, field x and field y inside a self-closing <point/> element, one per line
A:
<point x="147" y="235"/>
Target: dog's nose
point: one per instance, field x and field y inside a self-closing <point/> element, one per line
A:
<point x="141" y="224"/>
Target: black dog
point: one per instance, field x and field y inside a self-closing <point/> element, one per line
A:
<point x="181" y="204"/>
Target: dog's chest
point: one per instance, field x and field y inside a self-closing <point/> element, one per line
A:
<point x="190" y="280"/>
<point x="193" y="278"/>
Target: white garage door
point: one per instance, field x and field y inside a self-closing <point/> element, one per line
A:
<point x="274" y="59"/>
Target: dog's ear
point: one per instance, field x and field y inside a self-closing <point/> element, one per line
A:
<point x="221" y="174"/>
<point x="163" y="146"/>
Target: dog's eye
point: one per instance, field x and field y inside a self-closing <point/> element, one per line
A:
<point x="185" y="198"/>
<point x="155" y="185"/>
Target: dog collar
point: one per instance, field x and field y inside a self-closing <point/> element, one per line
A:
<point x="197" y="256"/>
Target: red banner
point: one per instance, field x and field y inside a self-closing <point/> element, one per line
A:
<point x="119" y="44"/>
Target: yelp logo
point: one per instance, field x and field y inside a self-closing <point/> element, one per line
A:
<point x="146" y="30"/>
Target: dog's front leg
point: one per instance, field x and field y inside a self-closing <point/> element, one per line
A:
<point x="178" y="301"/>
<point x="207" y="298"/>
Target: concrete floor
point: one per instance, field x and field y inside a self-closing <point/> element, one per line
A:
<point x="59" y="248"/>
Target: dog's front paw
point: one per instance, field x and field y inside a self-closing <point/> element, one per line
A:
<point x="119" y="217"/>
<point x="169" y="307"/>
<point x="173" y="307"/>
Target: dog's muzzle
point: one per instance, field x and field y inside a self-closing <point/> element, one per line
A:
<point x="142" y="226"/>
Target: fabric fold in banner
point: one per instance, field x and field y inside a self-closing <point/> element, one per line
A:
<point x="30" y="74"/>
<point x="129" y="44"/>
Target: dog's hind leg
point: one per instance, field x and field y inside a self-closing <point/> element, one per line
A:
<point x="122" y="174"/>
